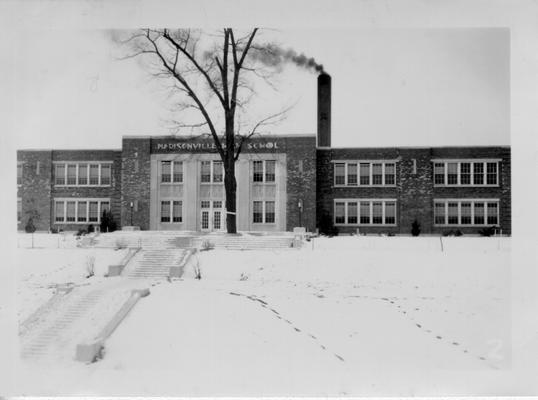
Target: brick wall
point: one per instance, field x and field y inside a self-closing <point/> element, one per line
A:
<point x="35" y="190"/>
<point x="301" y="182"/>
<point x="135" y="178"/>
<point x="414" y="191"/>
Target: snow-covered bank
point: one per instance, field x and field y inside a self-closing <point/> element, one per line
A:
<point x="40" y="270"/>
<point x="346" y="316"/>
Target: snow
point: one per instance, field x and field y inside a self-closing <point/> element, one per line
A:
<point x="342" y="316"/>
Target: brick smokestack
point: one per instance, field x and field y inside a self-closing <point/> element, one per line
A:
<point x="324" y="110"/>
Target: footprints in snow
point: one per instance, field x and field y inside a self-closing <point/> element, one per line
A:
<point x="277" y="315"/>
<point x="429" y="331"/>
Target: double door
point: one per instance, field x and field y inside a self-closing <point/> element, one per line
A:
<point x="212" y="215"/>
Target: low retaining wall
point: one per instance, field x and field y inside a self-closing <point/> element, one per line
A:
<point x="92" y="351"/>
<point x="117" y="269"/>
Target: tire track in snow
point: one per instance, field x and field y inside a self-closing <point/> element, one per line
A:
<point x="280" y="317"/>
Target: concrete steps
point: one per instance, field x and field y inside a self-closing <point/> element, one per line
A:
<point x="154" y="263"/>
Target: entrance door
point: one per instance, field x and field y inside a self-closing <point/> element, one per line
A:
<point x="212" y="215"/>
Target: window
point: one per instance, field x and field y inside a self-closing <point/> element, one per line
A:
<point x="94" y="174"/>
<point x="352" y="174"/>
<point x="19" y="174"/>
<point x="206" y="171"/>
<point x="177" y="212"/>
<point x="264" y="171"/>
<point x="390" y="173"/>
<point x="439" y="213"/>
<point x="19" y="210"/>
<point x="390" y="213"/>
<point x="205" y="204"/>
<point x="71" y="207"/>
<point x="270" y="168"/>
<point x="79" y="211"/>
<point x="464" y="173"/>
<point x="171" y="171"/>
<point x="165" y="211"/>
<point x="94" y="211"/>
<point x="263" y="212"/>
<point x="257" y="208"/>
<point x="492" y="211"/>
<point x="365" y="173"/>
<point x="166" y="171"/>
<point x="212" y="172"/>
<point x="452" y="213"/>
<point x="452" y="173"/>
<point x="466" y="212"/>
<point x="340" y="213"/>
<point x="439" y="173"/>
<point x="340" y="174"/>
<point x="491" y="177"/>
<point x="479" y="214"/>
<point x="71" y="174"/>
<point x="83" y="174"/>
<point x="82" y="212"/>
<point x="478" y="170"/>
<point x="59" y="211"/>
<point x="59" y="174"/>
<point x="377" y="174"/>
<point x="218" y="172"/>
<point x="365" y="212"/>
<point x="352" y="213"/>
<point x="377" y="212"/>
<point x="269" y="212"/>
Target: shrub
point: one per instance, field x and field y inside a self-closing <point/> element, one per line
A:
<point x="53" y="229"/>
<point x="91" y="228"/>
<point x="487" y="231"/>
<point x="197" y="270"/>
<point x="453" y="232"/>
<point x="207" y="245"/>
<point x="30" y="227"/>
<point x="120" y="244"/>
<point x="81" y="232"/>
<point x="90" y="266"/>
<point x="415" y="228"/>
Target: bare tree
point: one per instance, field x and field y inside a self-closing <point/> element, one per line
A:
<point x="208" y="72"/>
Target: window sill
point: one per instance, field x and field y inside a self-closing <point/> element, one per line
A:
<point x="79" y="186"/>
<point x="373" y="225"/>
<point x="435" y="185"/>
<point x="364" y="186"/>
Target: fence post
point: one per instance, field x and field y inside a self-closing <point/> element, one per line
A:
<point x="441" y="240"/>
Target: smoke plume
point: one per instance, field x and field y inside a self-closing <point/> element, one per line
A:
<point x="274" y="56"/>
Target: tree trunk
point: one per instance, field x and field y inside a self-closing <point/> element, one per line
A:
<point x="230" y="184"/>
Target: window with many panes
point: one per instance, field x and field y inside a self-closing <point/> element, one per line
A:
<point x="264" y="171"/>
<point x="171" y="211"/>
<point x="83" y="174"/>
<point x="211" y="172"/>
<point x="365" y="212"/>
<point x="171" y="171"/>
<point x="263" y="212"/>
<point x="75" y="211"/>
<point x="466" y="212"/>
<point x="356" y="173"/>
<point x="466" y="173"/>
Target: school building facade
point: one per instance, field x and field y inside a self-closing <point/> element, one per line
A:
<point x="285" y="181"/>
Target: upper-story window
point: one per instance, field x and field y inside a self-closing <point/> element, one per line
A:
<point x="357" y="173"/>
<point x="19" y="174"/>
<point x="264" y="171"/>
<point x="211" y="172"/>
<point x="83" y="174"/>
<point x="171" y="171"/>
<point x="466" y="173"/>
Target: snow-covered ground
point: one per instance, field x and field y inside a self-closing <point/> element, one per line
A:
<point x="342" y="316"/>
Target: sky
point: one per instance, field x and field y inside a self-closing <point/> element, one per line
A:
<point x="391" y="87"/>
